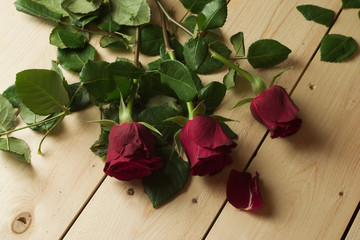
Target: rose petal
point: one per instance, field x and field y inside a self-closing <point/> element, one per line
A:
<point x="242" y="191"/>
<point x="276" y="110"/>
<point x="207" y="132"/>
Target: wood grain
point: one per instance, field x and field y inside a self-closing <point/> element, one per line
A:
<point x="310" y="181"/>
<point x="113" y="214"/>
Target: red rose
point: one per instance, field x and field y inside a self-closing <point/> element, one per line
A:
<point x="206" y="145"/>
<point x="242" y="191"/>
<point x="276" y="110"/>
<point x="130" y="152"/>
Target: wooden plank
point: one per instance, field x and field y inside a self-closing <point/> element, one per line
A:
<point x="54" y="187"/>
<point x="354" y="233"/>
<point x="309" y="181"/>
<point x="112" y="213"/>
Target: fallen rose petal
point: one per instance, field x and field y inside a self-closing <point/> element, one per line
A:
<point x="242" y="191"/>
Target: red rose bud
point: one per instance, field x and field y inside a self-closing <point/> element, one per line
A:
<point x="276" y="110"/>
<point x="206" y="145"/>
<point x="242" y="191"/>
<point x="130" y="152"/>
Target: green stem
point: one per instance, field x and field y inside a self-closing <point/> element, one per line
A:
<point x="35" y="124"/>
<point x="168" y="47"/>
<point x="130" y="102"/>
<point x="74" y="95"/>
<point x="232" y="65"/>
<point x="173" y="20"/>
<point x="190" y="108"/>
<point x="135" y="84"/>
<point x="48" y="131"/>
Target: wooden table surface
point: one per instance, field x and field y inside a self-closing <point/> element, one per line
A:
<point x="309" y="181"/>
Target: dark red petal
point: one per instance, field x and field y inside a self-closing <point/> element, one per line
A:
<point x="207" y="132"/>
<point x="242" y="191"/>
<point x="127" y="171"/>
<point x="273" y="106"/>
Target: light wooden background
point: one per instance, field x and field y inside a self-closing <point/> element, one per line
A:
<point x="309" y="181"/>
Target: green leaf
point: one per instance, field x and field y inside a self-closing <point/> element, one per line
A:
<point x="199" y="109"/>
<point x="155" y="117"/>
<point x="125" y="68"/>
<point x="81" y="99"/>
<point x="222" y="119"/>
<point x="151" y="39"/>
<point x="212" y="95"/>
<point x="243" y="101"/>
<point x="230" y="133"/>
<point x="163" y="100"/>
<point x="169" y="180"/>
<point x="30" y="118"/>
<point x="190" y="23"/>
<point x="237" y="40"/>
<point x="150" y="85"/>
<point x="108" y="25"/>
<point x="64" y="36"/>
<point x="195" y="6"/>
<point x="100" y="146"/>
<point x="97" y="79"/>
<point x="53" y="5"/>
<point x="267" y="53"/>
<point x="179" y="120"/>
<point x="42" y="91"/>
<point x="81" y="6"/>
<point x="178" y="78"/>
<point x="16" y="147"/>
<point x="210" y="64"/>
<point x="350" y="3"/>
<point x="176" y="46"/>
<point x="37" y="10"/>
<point x="107" y="124"/>
<point x="272" y="82"/>
<point x="195" y="52"/>
<point x="12" y="95"/>
<point x="75" y="59"/>
<point x="336" y="48"/>
<point x="215" y="13"/>
<point x="151" y="127"/>
<point x="55" y="67"/>
<point x="130" y="12"/>
<point x="104" y="81"/>
<point x="229" y="79"/>
<point x="317" y="14"/>
<point x="7" y="115"/>
<point x="113" y="43"/>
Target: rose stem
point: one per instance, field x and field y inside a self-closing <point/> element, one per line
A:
<point x="134" y="88"/>
<point x="168" y="47"/>
<point x="173" y="20"/>
<point x="170" y="51"/>
<point x="35" y="124"/>
<point x="48" y="131"/>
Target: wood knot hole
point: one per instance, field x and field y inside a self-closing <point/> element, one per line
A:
<point x="312" y="86"/>
<point x="130" y="191"/>
<point x="341" y="194"/>
<point x="21" y="222"/>
<point x="194" y="200"/>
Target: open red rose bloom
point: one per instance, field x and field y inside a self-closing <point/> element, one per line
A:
<point x="131" y="152"/>
<point x="276" y="110"/>
<point x="242" y="191"/>
<point x="206" y="145"/>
